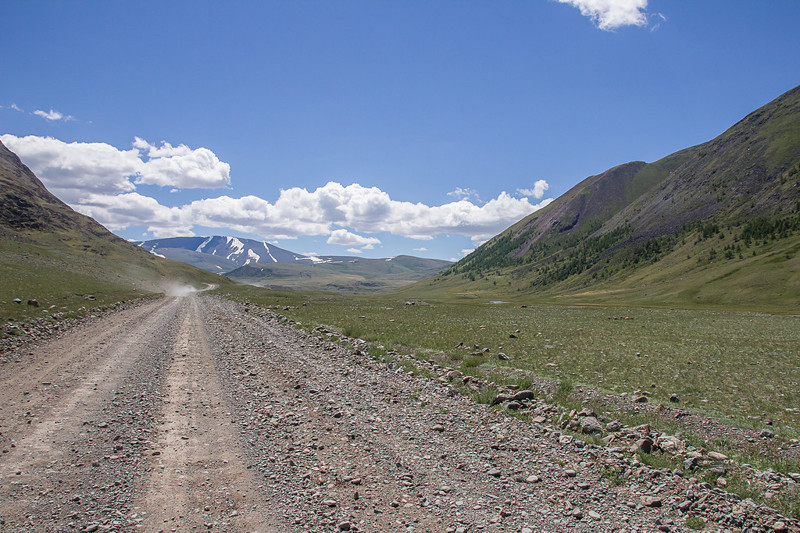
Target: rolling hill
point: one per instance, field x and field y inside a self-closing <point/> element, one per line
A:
<point x="716" y="224"/>
<point x="340" y="274"/>
<point x="65" y="260"/>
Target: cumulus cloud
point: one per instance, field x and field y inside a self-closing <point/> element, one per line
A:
<point x="362" y="209"/>
<point x="609" y="15"/>
<point x="354" y="251"/>
<point x="538" y="189"/>
<point x="52" y="115"/>
<point x="346" y="238"/>
<point x="100" y="180"/>
<point x="120" y="211"/>
<point x="73" y="170"/>
<point x="464" y="193"/>
<point x="180" y="166"/>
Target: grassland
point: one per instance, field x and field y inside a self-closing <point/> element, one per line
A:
<point x="64" y="276"/>
<point x="738" y="366"/>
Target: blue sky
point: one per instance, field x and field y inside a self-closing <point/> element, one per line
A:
<point x="369" y="127"/>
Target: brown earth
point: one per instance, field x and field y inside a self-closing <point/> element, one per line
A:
<point x="198" y="414"/>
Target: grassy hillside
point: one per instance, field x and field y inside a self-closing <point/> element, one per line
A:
<point x="64" y="260"/>
<point x="715" y="225"/>
<point x="349" y="276"/>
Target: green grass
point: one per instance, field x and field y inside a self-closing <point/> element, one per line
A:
<point x="732" y="365"/>
<point x="61" y="271"/>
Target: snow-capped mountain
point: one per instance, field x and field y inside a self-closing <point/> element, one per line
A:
<point x="220" y="253"/>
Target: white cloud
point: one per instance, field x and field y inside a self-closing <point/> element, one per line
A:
<point x="72" y="170"/>
<point x="346" y="238"/>
<point x="465" y="252"/>
<point x="15" y="107"/>
<point x="51" y="115"/>
<point x="612" y="14"/>
<point x="100" y="180"/>
<point x="538" y="189"/>
<point x="180" y="166"/>
<point x="423" y="249"/>
<point x="354" y="251"/>
<point x="464" y="193"/>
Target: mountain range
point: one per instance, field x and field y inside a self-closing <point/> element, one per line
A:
<point x="717" y="224"/>
<point x="260" y="263"/>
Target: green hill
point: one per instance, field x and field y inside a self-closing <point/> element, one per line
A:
<point x="348" y="275"/>
<point x="65" y="260"/>
<point x="716" y="224"/>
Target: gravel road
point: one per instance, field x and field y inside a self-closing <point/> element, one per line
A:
<point x="200" y="414"/>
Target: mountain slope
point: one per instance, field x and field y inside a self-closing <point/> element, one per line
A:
<point x="51" y="254"/>
<point x="699" y="225"/>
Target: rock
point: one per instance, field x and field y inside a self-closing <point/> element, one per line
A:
<point x="494" y="472"/>
<point x="690" y="463"/>
<point x="766" y="434"/>
<point x="674" y="398"/>
<point x="514" y="406"/>
<point x="651" y="501"/>
<point x="590" y="425"/>
<point x="438" y="427"/>
<point x="523" y="395"/>
<point x="577" y="513"/>
<point x="586" y="412"/>
<point x="34" y="303"/>
<point x="614" y="426"/>
<point x="670" y="444"/>
<point x="594" y="515"/>
<point x="533" y="479"/>
<point x="17" y="301"/>
<point x="779" y="526"/>
<point x="642" y="445"/>
<point x="503" y="357"/>
<point x="344" y="526"/>
<point x="715" y="456"/>
<point x="640" y="399"/>
<point x="500" y="398"/>
<point x="570" y="473"/>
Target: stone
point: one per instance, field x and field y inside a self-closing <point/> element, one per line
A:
<point x="33" y="302"/>
<point x="438" y="427"/>
<point x="651" y="501"/>
<point x="344" y="526"/>
<point x="523" y="395"/>
<point x="670" y="444"/>
<point x="690" y="463"/>
<point x="674" y="398"/>
<point x="533" y="479"/>
<point x="642" y="445"/>
<point x="594" y="515"/>
<point x="503" y="357"/>
<point x="590" y="425"/>
<point x="500" y="398"/>
<point x="780" y="525"/>
<point x="614" y="426"/>
<point x="640" y="399"/>
<point x="716" y="456"/>
<point x="514" y="406"/>
<point x="494" y="472"/>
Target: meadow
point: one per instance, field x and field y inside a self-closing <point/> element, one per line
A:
<point x="733" y="365"/>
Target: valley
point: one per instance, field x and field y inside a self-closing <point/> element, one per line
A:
<point x="196" y="412"/>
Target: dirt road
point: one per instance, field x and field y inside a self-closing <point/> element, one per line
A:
<point x="198" y="414"/>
